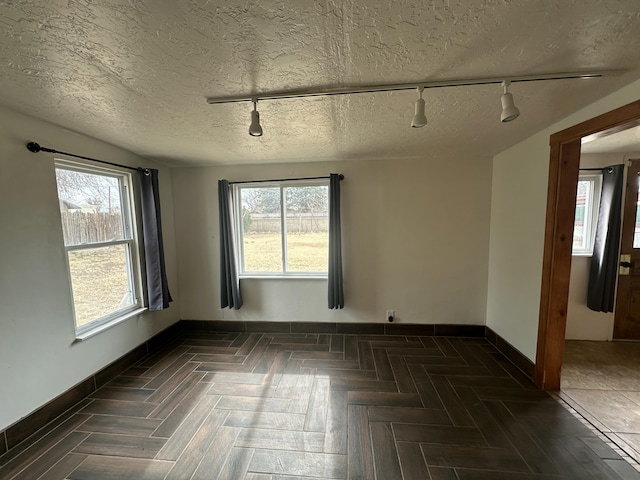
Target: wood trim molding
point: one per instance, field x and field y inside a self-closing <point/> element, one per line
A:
<point x="564" y="164"/>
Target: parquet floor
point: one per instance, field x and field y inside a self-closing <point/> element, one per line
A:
<point x="260" y="406"/>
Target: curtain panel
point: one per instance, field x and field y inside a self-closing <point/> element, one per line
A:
<point x="604" y="262"/>
<point x="336" y="288"/>
<point x="230" y="295"/>
<point x="156" y="274"/>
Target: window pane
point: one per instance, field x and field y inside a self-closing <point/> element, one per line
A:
<point x="100" y="282"/>
<point x="261" y="229"/>
<point x="90" y="207"/>
<point x="636" y="231"/>
<point x="307" y="228"/>
<point x="583" y="200"/>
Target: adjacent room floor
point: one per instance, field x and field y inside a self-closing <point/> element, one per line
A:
<point x="601" y="380"/>
<point x="261" y="406"/>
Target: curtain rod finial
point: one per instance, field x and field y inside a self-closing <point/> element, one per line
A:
<point x="33" y="147"/>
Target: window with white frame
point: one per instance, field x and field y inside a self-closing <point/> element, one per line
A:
<point x="283" y="228"/>
<point x="587" y="203"/>
<point x="100" y="242"/>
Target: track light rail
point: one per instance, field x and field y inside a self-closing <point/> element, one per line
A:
<point x="391" y="87"/>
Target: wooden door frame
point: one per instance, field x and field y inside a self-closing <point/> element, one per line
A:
<point x="564" y="165"/>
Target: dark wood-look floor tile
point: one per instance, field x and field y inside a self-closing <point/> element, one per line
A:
<point x="455" y="408"/>
<point x="189" y="459"/>
<point x="335" y="438"/>
<point x="443" y="473"/>
<point x="183" y="390"/>
<point x="439" y="435"/>
<point x="384" y="398"/>
<point x="528" y="448"/>
<point x="237" y="464"/>
<point x="489" y="427"/>
<point x="128" y="382"/>
<point x="119" y="408"/>
<point x="360" y="453"/>
<point x="402" y="375"/>
<point x="412" y="462"/>
<point x="120" y="445"/>
<point x="410" y="415"/>
<point x="214" y="460"/>
<point x="120" y="425"/>
<point x="171" y="377"/>
<point x="112" y="468"/>
<point x="15" y="461"/>
<point x="316" y="417"/>
<point x="385" y="455"/>
<point x="301" y="464"/>
<point x="117" y="393"/>
<point x="199" y="426"/>
<point x="506" y="460"/>
<point x="337" y="344"/>
<point x="177" y="415"/>
<point x="64" y="467"/>
<point x="262" y="438"/>
<point x="272" y="420"/>
<point x="51" y="456"/>
<point x="275" y="405"/>
<point x="383" y="365"/>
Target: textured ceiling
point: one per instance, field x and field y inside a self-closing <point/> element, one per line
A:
<point x="136" y="73"/>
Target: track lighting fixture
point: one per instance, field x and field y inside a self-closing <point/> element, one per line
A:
<point x="419" y="118"/>
<point x="509" y="110"/>
<point x="255" y="130"/>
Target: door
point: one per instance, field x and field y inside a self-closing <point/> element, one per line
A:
<point x="626" y="325"/>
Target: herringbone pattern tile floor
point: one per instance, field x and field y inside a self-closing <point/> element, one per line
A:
<point x="260" y="406"/>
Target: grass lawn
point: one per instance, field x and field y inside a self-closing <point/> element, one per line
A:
<point x="307" y="252"/>
<point x="99" y="282"/>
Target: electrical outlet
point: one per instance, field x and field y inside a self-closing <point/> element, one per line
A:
<point x="390" y="316"/>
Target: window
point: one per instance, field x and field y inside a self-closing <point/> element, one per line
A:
<point x="284" y="228"/>
<point x="587" y="203"/>
<point x="100" y="243"/>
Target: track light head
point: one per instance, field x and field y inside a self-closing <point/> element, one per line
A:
<point x="509" y="110"/>
<point x="255" y="130"/>
<point x="419" y="118"/>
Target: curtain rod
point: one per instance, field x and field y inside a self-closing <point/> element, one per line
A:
<point x="608" y="169"/>
<point x="35" y="148"/>
<point x="285" y="180"/>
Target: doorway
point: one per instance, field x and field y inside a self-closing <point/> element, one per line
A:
<point x="564" y="164"/>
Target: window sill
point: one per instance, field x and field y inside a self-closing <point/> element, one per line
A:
<point x="283" y="277"/>
<point x="582" y="254"/>
<point x="107" y="325"/>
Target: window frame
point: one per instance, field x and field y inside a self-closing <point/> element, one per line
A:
<point x="238" y="224"/>
<point x="130" y="226"/>
<point x="592" y="207"/>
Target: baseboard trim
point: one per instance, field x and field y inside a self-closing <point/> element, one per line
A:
<point x="511" y="353"/>
<point x="40" y="418"/>
<point x="445" y="330"/>
<point x="32" y="423"/>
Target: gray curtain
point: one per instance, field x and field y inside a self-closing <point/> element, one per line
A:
<point x="604" y="262"/>
<point x="157" y="286"/>
<point x="336" y="293"/>
<point x="229" y="282"/>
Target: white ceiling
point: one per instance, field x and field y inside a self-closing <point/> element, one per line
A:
<point x="136" y="73"/>
<point x="626" y="141"/>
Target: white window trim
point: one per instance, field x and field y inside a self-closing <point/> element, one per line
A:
<point x="237" y="214"/>
<point x="590" y="215"/>
<point x="131" y="227"/>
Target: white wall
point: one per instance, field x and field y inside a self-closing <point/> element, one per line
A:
<point x="518" y="209"/>
<point x="38" y="356"/>
<point x="415" y="240"/>
<point x="583" y="323"/>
